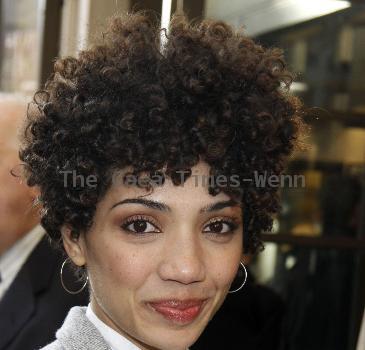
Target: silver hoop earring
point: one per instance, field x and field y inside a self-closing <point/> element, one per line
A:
<point x="244" y="281"/>
<point x="63" y="284"/>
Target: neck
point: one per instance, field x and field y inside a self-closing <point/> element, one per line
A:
<point x="10" y="237"/>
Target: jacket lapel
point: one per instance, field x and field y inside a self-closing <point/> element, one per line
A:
<point x="16" y="307"/>
<point x="18" y="303"/>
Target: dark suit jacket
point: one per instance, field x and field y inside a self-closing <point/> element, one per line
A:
<point x="249" y="319"/>
<point x="35" y="305"/>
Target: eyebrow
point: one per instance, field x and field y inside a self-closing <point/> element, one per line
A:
<point x="164" y="207"/>
<point x="146" y="202"/>
<point x="219" y="205"/>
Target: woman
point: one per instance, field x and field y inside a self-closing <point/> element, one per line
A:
<point x="145" y="156"/>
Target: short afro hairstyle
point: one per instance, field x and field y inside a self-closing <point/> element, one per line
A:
<point x="207" y="93"/>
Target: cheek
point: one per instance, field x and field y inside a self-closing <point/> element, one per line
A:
<point x="223" y="273"/>
<point x="224" y="264"/>
<point x="118" y="266"/>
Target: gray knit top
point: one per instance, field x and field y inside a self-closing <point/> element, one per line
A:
<point x="78" y="333"/>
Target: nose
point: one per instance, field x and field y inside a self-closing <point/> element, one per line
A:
<point x="183" y="260"/>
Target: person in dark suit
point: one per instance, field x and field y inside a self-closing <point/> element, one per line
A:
<point x="33" y="303"/>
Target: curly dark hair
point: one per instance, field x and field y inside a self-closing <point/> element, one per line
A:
<point x="209" y="93"/>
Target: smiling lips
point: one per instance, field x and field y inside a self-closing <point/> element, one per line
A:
<point x="180" y="311"/>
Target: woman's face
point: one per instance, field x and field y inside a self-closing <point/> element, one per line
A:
<point x="161" y="264"/>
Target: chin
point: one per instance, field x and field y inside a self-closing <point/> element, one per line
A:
<point x="174" y="339"/>
<point x="174" y="344"/>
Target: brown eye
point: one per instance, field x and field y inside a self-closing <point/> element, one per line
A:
<point x="221" y="226"/>
<point x="216" y="226"/>
<point x="139" y="226"/>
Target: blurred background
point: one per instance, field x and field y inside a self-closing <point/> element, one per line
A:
<point x="314" y="258"/>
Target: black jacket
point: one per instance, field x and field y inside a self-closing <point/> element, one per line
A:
<point x="249" y="319"/>
<point x="35" y="305"/>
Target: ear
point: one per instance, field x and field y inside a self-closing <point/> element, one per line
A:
<point x="74" y="247"/>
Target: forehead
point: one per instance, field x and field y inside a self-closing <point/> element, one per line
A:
<point x="194" y="191"/>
